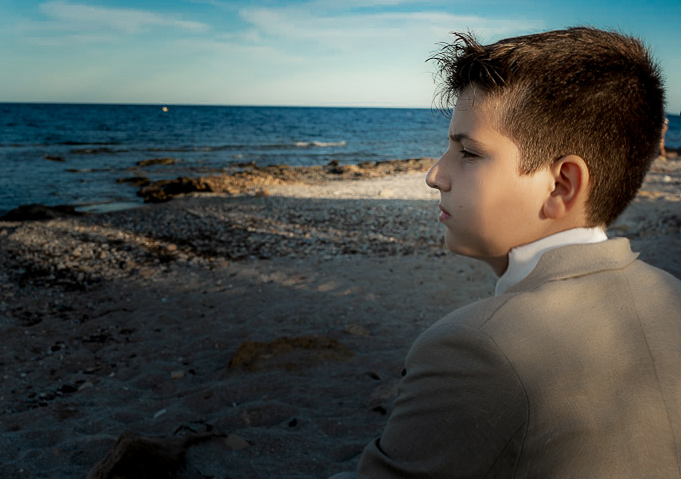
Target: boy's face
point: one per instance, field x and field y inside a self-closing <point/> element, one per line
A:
<point x="487" y="206"/>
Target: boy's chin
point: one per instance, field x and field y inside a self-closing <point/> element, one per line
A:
<point x="457" y="247"/>
<point x="498" y="262"/>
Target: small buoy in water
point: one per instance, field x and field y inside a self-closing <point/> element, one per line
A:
<point x="165" y="108"/>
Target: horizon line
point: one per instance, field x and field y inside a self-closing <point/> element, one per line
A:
<point x="161" y="105"/>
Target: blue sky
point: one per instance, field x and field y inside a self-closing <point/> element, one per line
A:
<point x="293" y="52"/>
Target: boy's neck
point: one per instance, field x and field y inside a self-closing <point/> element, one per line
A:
<point x="522" y="259"/>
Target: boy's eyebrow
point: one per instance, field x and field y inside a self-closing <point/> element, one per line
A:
<point x="462" y="136"/>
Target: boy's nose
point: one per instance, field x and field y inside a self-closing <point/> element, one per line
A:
<point x="433" y="177"/>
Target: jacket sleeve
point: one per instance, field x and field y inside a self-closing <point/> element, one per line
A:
<point x="461" y="411"/>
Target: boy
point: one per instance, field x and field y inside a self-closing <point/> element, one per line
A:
<point x="573" y="368"/>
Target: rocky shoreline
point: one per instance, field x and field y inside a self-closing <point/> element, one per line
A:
<point x="237" y="180"/>
<point x="249" y="178"/>
<point x="236" y="218"/>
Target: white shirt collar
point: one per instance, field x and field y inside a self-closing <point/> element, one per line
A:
<point x="523" y="259"/>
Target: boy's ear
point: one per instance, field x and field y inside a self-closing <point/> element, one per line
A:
<point x="570" y="189"/>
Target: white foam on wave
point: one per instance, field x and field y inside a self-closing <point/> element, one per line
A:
<point x="319" y="144"/>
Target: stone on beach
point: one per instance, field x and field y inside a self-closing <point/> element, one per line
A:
<point x="39" y="212"/>
<point x="164" y="190"/>
<point x="138" y="457"/>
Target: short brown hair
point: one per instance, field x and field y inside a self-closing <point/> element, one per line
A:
<point x="583" y="91"/>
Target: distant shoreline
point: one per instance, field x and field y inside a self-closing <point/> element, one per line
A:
<point x="247" y="179"/>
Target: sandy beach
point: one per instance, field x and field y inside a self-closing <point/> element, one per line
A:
<point x="247" y="336"/>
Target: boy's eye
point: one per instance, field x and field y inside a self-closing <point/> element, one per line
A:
<point x="466" y="153"/>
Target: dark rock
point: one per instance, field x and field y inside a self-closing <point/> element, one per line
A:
<point x="138" y="457"/>
<point x="157" y="161"/>
<point x="68" y="389"/>
<point x="245" y="164"/>
<point x="280" y="167"/>
<point x="138" y="181"/>
<point x="164" y="190"/>
<point x="40" y="212"/>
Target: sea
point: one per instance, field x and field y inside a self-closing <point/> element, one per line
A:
<point x="57" y="154"/>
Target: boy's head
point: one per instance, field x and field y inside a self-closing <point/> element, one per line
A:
<point x="585" y="92"/>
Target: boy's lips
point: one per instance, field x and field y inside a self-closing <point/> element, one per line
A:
<point x="444" y="214"/>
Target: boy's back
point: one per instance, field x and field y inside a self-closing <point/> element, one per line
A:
<point x="571" y="373"/>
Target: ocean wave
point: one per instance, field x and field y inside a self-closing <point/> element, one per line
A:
<point x="57" y="144"/>
<point x="87" y="170"/>
<point x="319" y="144"/>
<point x="273" y="146"/>
<point x="94" y="148"/>
<point x="85" y="143"/>
<point x="97" y="151"/>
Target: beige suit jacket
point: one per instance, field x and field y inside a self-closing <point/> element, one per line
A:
<point x="575" y="372"/>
